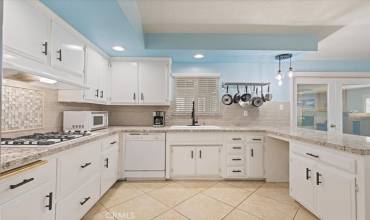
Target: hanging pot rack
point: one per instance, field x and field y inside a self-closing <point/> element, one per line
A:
<point x="225" y="84"/>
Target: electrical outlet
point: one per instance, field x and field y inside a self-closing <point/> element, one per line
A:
<point x="281" y="107"/>
<point x="245" y="113"/>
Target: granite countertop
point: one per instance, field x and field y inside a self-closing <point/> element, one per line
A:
<point x="13" y="157"/>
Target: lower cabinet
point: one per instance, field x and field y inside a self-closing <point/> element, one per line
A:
<point x="36" y="204"/>
<point x="255" y="162"/>
<point x="109" y="166"/>
<point x="195" y="161"/>
<point x="327" y="191"/>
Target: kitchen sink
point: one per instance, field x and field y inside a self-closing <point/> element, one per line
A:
<point x="194" y="127"/>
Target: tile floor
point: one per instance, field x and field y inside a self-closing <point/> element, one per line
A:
<point x="197" y="200"/>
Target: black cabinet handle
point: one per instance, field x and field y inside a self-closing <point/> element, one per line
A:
<point x="134" y="96"/>
<point x="252" y="152"/>
<point x="45" y="45"/>
<point x="236" y="159"/>
<point x="60" y="55"/>
<point x="113" y="142"/>
<point x="142" y="96"/>
<point x="85" y="200"/>
<point x="97" y="93"/>
<point x="318" y="175"/>
<point x="200" y="154"/>
<point x="312" y="155"/>
<point x="236" y="171"/>
<point x="86" y="165"/>
<point x="106" y="162"/>
<point x="237" y="148"/>
<point x="21" y="183"/>
<point x="257" y="139"/>
<point x="308" y="174"/>
<point x="192" y="154"/>
<point x="237" y="139"/>
<point x="101" y="94"/>
<point x="50" y="204"/>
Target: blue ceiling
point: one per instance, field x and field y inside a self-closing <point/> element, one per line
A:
<point x="107" y="23"/>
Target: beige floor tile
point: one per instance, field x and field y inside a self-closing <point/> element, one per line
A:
<point x="240" y="215"/>
<point x="119" y="193"/>
<point x="246" y="184"/>
<point x="227" y="193"/>
<point x="104" y="215"/>
<point x="96" y="208"/>
<point x="142" y="207"/>
<point x="268" y="209"/>
<point x="197" y="184"/>
<point x="202" y="207"/>
<point x="171" y="215"/>
<point x="173" y="193"/>
<point x="147" y="186"/>
<point x="304" y="214"/>
<point x="277" y="191"/>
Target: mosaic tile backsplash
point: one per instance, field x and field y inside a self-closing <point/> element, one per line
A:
<point x="22" y="108"/>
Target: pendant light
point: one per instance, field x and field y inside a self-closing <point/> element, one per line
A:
<point x="279" y="76"/>
<point x="290" y="72"/>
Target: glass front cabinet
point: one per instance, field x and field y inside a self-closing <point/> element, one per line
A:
<point x="335" y="104"/>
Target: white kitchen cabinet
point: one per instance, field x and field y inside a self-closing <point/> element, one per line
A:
<point x="301" y="180"/>
<point x="68" y="51"/>
<point x="109" y="166"/>
<point x="26" y="30"/>
<point x="140" y="82"/>
<point x="183" y="161"/>
<point x="124" y="83"/>
<point x="195" y="161"/>
<point x="36" y="204"/>
<point x="255" y="163"/>
<point x="153" y="82"/>
<point x="336" y="194"/>
<point x="208" y="161"/>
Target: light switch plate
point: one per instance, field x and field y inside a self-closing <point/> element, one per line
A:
<point x="245" y="113"/>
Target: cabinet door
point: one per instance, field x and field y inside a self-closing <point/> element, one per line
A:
<point x="36" y="204"/>
<point x="301" y="180"/>
<point x="104" y="78"/>
<point x="255" y="163"/>
<point x="93" y="62"/>
<point x="153" y="82"/>
<point x="109" y="166"/>
<point x="183" y="161"/>
<point x="26" y="30"/>
<point x="124" y="83"/>
<point x="208" y="161"/>
<point x="336" y="194"/>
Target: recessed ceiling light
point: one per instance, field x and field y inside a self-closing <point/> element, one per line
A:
<point x="118" y="48"/>
<point x="198" y="56"/>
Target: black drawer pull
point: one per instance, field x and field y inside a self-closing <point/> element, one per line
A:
<point x="21" y="183"/>
<point x="252" y="152"/>
<point x="45" y="45"/>
<point x="85" y="200"/>
<point x="312" y="155"/>
<point x="60" y="55"/>
<point x="236" y="171"/>
<point x="113" y="142"/>
<point x="50" y="204"/>
<point x="106" y="162"/>
<point x="237" y="148"/>
<point x="318" y="175"/>
<point x="85" y="165"/>
<point x="236" y="159"/>
<point x="308" y="174"/>
<point x="237" y="139"/>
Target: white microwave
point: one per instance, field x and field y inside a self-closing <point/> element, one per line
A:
<point x="84" y="120"/>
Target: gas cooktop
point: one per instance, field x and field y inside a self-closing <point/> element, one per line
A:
<point x="38" y="139"/>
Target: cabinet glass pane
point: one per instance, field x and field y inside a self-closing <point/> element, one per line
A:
<point x="356" y="109"/>
<point x="312" y="110"/>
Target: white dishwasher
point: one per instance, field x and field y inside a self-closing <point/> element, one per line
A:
<point x="144" y="156"/>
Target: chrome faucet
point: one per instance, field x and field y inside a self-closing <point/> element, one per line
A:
<point x="194" y="122"/>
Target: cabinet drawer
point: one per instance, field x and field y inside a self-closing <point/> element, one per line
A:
<point x="332" y="158"/>
<point x="235" y="160"/>
<point x="237" y="148"/>
<point x="76" y="205"/>
<point x="76" y="166"/>
<point x="29" y="177"/>
<point x="235" y="171"/>
<point x="110" y="142"/>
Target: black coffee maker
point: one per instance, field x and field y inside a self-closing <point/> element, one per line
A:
<point x="158" y="119"/>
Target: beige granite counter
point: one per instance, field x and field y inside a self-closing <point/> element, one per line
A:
<point x="13" y="157"/>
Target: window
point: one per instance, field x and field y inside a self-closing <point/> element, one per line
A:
<point x="203" y="90"/>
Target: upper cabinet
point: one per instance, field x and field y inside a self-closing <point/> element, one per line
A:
<point x="140" y="82"/>
<point x="26" y="30"/>
<point x="68" y="52"/>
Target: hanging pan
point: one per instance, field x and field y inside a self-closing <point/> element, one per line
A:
<point x="227" y="99"/>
